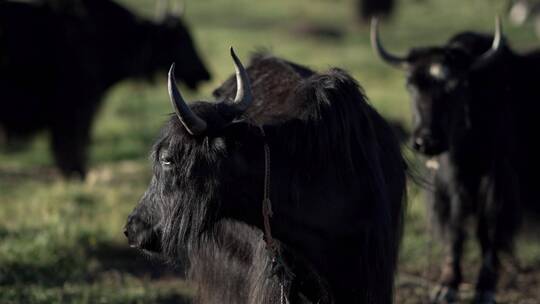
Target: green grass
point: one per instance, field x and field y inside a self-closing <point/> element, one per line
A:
<point x="61" y="241"/>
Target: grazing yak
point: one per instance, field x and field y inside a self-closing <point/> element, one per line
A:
<point x="475" y="108"/>
<point x="287" y="190"/>
<point x="57" y="62"/>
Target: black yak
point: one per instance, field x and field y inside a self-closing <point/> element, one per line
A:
<point x="336" y="186"/>
<point x="475" y="107"/>
<point x="56" y="63"/>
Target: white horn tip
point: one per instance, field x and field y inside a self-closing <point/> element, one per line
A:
<point x="498" y="31"/>
<point x="171" y="70"/>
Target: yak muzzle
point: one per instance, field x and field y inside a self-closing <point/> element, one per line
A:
<point x="142" y="235"/>
<point x="426" y="143"/>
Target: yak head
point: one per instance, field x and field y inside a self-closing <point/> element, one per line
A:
<point x="438" y="83"/>
<point x="205" y="155"/>
<point x="174" y="41"/>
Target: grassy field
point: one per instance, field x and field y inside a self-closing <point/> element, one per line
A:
<point x="62" y="242"/>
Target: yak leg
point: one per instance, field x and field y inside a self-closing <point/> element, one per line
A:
<point x="451" y="270"/>
<point x="3" y="137"/>
<point x="498" y="222"/>
<point x="499" y="217"/>
<point x="487" y="278"/>
<point x="70" y="140"/>
<point x="452" y="214"/>
<point x="451" y="273"/>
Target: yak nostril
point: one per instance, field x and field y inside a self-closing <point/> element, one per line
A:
<point x="126" y="233"/>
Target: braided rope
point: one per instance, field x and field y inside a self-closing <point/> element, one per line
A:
<point x="271" y="245"/>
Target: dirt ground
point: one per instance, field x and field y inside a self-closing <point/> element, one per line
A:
<point x="413" y="286"/>
<point x="516" y="286"/>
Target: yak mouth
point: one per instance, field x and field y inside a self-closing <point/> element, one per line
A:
<point x="431" y="148"/>
<point x="147" y="241"/>
<point x="142" y="236"/>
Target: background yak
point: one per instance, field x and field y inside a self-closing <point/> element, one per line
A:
<point x="336" y="184"/>
<point x="56" y="63"/>
<point x="475" y="112"/>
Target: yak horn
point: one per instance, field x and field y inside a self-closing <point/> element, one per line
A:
<point x="496" y="46"/>
<point x="378" y="48"/>
<point x="243" y="98"/>
<point x="193" y="123"/>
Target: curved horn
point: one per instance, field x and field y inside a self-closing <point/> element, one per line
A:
<point x="496" y="46"/>
<point x="376" y="44"/>
<point x="193" y="123"/>
<point x="243" y="98"/>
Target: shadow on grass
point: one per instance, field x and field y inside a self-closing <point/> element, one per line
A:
<point x="89" y="273"/>
<point x="122" y="259"/>
<point x="92" y="264"/>
<point x="173" y="299"/>
<point x="23" y="294"/>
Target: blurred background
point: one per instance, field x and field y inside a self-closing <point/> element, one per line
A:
<point x="61" y="239"/>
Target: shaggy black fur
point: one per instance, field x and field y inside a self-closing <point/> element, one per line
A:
<point x="56" y="62"/>
<point x="337" y="188"/>
<point x="478" y="123"/>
